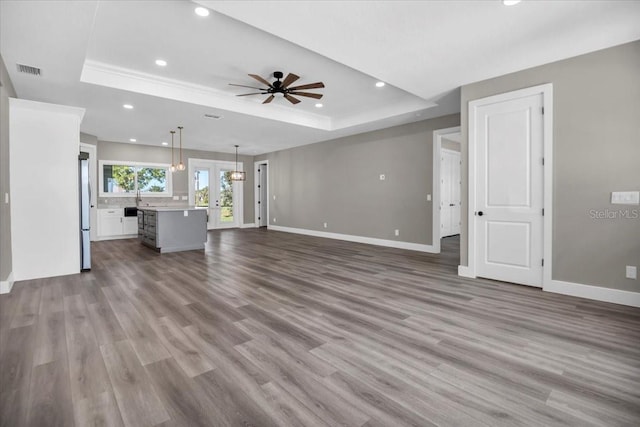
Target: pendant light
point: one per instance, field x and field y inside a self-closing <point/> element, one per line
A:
<point x="180" y="166"/>
<point x="173" y="165"/>
<point x="237" y="175"/>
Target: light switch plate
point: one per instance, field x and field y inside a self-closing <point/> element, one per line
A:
<point x="6" y="198"/>
<point x="625" y="198"/>
<point x="632" y="272"/>
<point x="176" y="197"/>
<point x="185" y="197"/>
<point x="428" y="197"/>
<point x="186" y="213"/>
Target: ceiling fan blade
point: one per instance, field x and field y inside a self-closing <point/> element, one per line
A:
<point x="260" y="79"/>
<point x="317" y="85"/>
<point x="250" y="87"/>
<point x="307" y="94"/>
<point x="254" y="93"/>
<point x="289" y="79"/>
<point x="269" y="99"/>
<point x="291" y="99"/>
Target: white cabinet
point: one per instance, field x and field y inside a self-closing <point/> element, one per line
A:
<point x="130" y="225"/>
<point x="113" y="224"/>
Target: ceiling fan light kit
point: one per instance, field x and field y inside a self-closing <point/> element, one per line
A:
<point x="282" y="88"/>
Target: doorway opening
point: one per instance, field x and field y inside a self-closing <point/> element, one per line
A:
<point x="446" y="203"/>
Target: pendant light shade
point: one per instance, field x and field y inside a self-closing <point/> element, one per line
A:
<point x="237" y="175"/>
<point x="173" y="165"/>
<point x="180" y="166"/>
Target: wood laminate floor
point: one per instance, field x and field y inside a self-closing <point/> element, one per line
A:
<point x="274" y="329"/>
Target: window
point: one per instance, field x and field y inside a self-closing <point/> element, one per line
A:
<point x="126" y="178"/>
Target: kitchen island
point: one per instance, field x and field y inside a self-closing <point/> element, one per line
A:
<point x="172" y="229"/>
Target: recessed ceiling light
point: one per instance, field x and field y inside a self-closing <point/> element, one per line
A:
<point x="132" y="139"/>
<point x="380" y="84"/>
<point x="161" y="62"/>
<point x="128" y="106"/>
<point x="319" y="105"/>
<point x="165" y="143"/>
<point x="201" y="11"/>
<point x="510" y="2"/>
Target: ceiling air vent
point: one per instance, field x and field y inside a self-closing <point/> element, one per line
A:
<point x="212" y="116"/>
<point x="27" y="69"/>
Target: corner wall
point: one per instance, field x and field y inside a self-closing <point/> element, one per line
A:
<point x="338" y="182"/>
<point x="596" y="139"/>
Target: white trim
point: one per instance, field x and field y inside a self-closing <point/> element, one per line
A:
<point x="6" y="285"/>
<point x="464" y="271"/>
<point x="45" y="106"/>
<point x="358" y="239"/>
<point x="597" y="293"/>
<point x="166" y="166"/>
<point x="547" y="101"/>
<point x="248" y="225"/>
<point x="435" y="191"/>
<point x="256" y="182"/>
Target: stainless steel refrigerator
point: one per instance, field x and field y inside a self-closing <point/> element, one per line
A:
<point x="85" y="212"/>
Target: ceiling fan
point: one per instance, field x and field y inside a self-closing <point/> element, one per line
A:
<point x="282" y="87"/>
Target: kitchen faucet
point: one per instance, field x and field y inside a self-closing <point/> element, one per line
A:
<point x="138" y="197"/>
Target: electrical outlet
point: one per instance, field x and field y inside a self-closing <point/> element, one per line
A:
<point x="382" y="177"/>
<point x="325" y="225"/>
<point x="176" y="197"/>
<point x="397" y="232"/>
<point x="185" y="197"/>
<point x="6" y="198"/>
<point x="274" y="197"/>
<point x="632" y="272"/>
<point x="274" y="219"/>
<point x="428" y="197"/>
<point x="186" y="213"/>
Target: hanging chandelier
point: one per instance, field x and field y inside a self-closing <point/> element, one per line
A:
<point x="181" y="165"/>
<point x="237" y="175"/>
<point x="173" y="165"/>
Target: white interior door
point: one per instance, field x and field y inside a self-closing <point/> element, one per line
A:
<point x="509" y="190"/>
<point x="212" y="189"/>
<point x="449" y="193"/>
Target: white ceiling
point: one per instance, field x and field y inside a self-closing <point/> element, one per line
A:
<point x="100" y="55"/>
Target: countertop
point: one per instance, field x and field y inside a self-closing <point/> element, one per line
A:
<point x="167" y="208"/>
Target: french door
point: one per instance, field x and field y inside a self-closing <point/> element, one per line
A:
<point x="211" y="188"/>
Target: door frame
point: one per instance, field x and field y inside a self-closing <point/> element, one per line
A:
<point x="237" y="189"/>
<point x="256" y="176"/>
<point x="93" y="174"/>
<point x="435" y="203"/>
<point x="546" y="90"/>
<point x="459" y="155"/>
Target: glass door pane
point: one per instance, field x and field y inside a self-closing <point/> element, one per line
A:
<point x="225" y="216"/>
<point x="202" y="184"/>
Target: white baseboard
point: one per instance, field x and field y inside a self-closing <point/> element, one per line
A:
<point x="598" y="293"/>
<point x="465" y="271"/>
<point x="358" y="239"/>
<point x="6" y="285"/>
<point x="249" y="225"/>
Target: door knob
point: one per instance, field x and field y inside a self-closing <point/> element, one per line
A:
<point x="452" y="204"/>
<point x="480" y="213"/>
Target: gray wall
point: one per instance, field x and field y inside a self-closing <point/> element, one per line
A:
<point x="6" y="91"/>
<point x="146" y="153"/>
<point x="338" y="182"/>
<point x="596" y="139"/>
